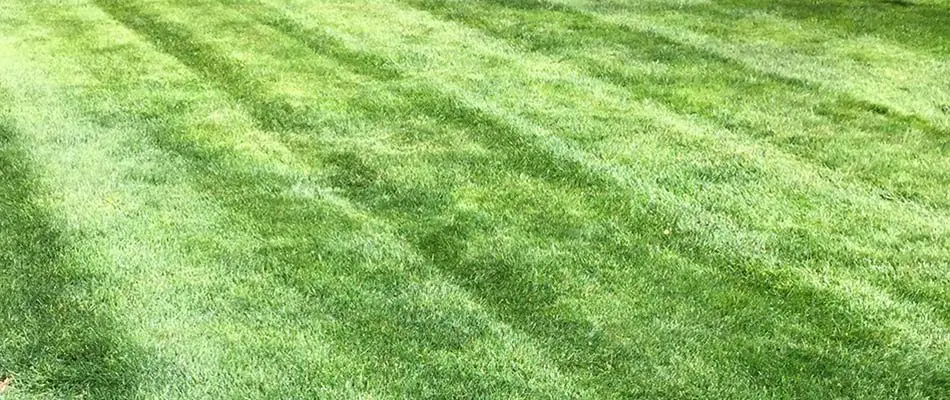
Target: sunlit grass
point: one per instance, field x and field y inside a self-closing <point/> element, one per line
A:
<point x="507" y="199"/>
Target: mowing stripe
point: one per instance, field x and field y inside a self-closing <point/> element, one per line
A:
<point x="357" y="180"/>
<point x="852" y="289"/>
<point x="289" y="253"/>
<point x="843" y="194"/>
<point x="866" y="66"/>
<point x="646" y="64"/>
<point x="366" y="220"/>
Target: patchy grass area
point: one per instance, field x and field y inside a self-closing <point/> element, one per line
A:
<point x="475" y="199"/>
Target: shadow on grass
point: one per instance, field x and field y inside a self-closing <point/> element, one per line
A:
<point x="52" y="337"/>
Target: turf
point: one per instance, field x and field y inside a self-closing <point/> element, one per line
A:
<point x="475" y="199"/>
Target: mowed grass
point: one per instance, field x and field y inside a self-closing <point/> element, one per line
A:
<point x="475" y="199"/>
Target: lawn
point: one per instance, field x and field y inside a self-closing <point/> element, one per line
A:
<point x="600" y="199"/>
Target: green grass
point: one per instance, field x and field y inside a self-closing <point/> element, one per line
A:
<point x="475" y="199"/>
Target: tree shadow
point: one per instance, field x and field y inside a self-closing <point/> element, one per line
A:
<point x="53" y="339"/>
